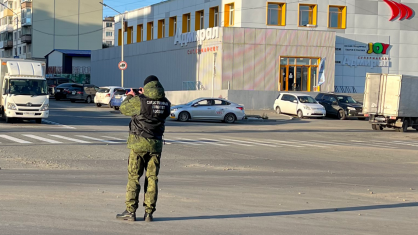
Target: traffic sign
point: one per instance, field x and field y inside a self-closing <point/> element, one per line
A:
<point x="122" y="65"/>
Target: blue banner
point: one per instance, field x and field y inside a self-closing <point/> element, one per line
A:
<point x="321" y="74"/>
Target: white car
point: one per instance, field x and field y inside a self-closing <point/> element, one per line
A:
<point x="299" y="104"/>
<point x="104" y="95"/>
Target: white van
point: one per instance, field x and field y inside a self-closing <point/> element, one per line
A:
<point x="23" y="90"/>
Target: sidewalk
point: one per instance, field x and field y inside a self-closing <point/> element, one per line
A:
<point x="272" y="115"/>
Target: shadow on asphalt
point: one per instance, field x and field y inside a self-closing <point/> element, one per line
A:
<point x="284" y="213"/>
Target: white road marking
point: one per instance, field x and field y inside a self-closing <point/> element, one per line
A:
<point x="280" y="144"/>
<point x="58" y="124"/>
<point x="200" y="141"/>
<point x="71" y="139"/>
<point x="43" y="139"/>
<point x="91" y="138"/>
<point x="113" y="138"/>
<point x="226" y="142"/>
<point x="299" y="142"/>
<point x="181" y="142"/>
<point x="15" y="139"/>
<point x="251" y="143"/>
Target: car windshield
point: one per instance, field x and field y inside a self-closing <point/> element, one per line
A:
<point x="346" y="100"/>
<point x="103" y="90"/>
<point x="28" y="87"/>
<point x="120" y="92"/>
<point x="65" y="85"/>
<point x="307" y="100"/>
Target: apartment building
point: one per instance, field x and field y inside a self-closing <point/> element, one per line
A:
<point x="108" y="31"/>
<point x="33" y="28"/>
<point x="377" y="36"/>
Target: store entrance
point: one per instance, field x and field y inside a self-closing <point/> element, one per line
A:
<point x="298" y="74"/>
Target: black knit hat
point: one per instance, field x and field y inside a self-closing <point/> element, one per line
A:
<point x="151" y="78"/>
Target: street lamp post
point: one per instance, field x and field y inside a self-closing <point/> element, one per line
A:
<point x="17" y="23"/>
<point x="122" y="38"/>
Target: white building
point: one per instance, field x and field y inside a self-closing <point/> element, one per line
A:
<point x="108" y="31"/>
<point x="33" y="28"/>
<point x="369" y="36"/>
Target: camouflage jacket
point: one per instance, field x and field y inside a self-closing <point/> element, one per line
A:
<point x="131" y="106"/>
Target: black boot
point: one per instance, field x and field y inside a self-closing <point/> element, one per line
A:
<point x="148" y="217"/>
<point x="126" y="215"/>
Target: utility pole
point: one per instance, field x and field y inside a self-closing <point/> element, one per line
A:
<point x="17" y="23"/>
<point x="122" y="36"/>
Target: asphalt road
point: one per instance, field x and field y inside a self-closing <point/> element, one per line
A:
<point x="68" y="176"/>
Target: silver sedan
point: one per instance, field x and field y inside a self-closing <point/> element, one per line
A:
<point x="208" y="109"/>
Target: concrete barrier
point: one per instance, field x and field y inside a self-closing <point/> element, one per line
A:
<point x="255" y="100"/>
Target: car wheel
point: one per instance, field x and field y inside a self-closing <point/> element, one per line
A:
<point x="278" y="110"/>
<point x="300" y="114"/>
<point x="39" y="120"/>
<point x="88" y="100"/>
<point x="184" y="117"/>
<point x="230" y="118"/>
<point x="9" y="120"/>
<point x="404" y="126"/>
<point x="72" y="101"/>
<point x="341" y="114"/>
<point x="99" y="105"/>
<point x="115" y="107"/>
<point x="376" y="127"/>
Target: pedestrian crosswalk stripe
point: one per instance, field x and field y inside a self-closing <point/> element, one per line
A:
<point x="101" y="140"/>
<point x="280" y="144"/>
<point x="202" y="141"/>
<point x="247" y="142"/>
<point x="43" y="139"/>
<point x="181" y="142"/>
<point x="70" y="139"/>
<point x="15" y="139"/>
<point x="229" y="142"/>
<point x="113" y="138"/>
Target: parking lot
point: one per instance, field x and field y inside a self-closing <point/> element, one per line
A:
<point x="290" y="176"/>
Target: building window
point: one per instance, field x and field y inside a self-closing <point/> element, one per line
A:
<point x="109" y="34"/>
<point x="276" y="14"/>
<point x="229" y="15"/>
<point x="214" y="17"/>
<point x="20" y="50"/>
<point x="16" y="51"/>
<point x="150" y="31"/>
<point x="298" y="74"/>
<point x="120" y="37"/>
<point x="161" y="29"/>
<point x="139" y="32"/>
<point x="24" y="49"/>
<point x="20" y="34"/>
<point x="337" y="17"/>
<point x="173" y="26"/>
<point x="186" y="23"/>
<point x="307" y="15"/>
<point x="109" y="24"/>
<point x="130" y="39"/>
<point x="199" y="20"/>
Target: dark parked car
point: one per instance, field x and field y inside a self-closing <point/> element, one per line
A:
<point x="54" y="82"/>
<point x="82" y="92"/>
<point x="341" y="106"/>
<point x="62" y="91"/>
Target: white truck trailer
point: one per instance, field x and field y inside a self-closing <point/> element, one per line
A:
<point x="23" y="90"/>
<point x="391" y="101"/>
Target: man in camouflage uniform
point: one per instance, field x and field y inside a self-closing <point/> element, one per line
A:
<point x="149" y="111"/>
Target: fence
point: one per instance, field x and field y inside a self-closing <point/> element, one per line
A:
<point x="75" y="70"/>
<point x="345" y="89"/>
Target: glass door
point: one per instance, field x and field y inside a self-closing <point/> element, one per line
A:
<point x="283" y="79"/>
<point x="291" y="85"/>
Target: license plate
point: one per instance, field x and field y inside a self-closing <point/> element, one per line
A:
<point x="360" y="113"/>
<point x="27" y="113"/>
<point x="118" y="97"/>
<point x="58" y="90"/>
<point x="73" y="92"/>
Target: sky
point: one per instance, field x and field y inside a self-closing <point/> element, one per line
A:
<point x="126" y="5"/>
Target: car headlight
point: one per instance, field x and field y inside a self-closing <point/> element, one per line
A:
<point x="351" y="108"/>
<point x="44" y="107"/>
<point x="173" y="110"/>
<point x="307" y="107"/>
<point x="11" y="106"/>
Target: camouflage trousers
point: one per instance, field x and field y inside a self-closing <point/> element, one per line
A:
<point x="138" y="163"/>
